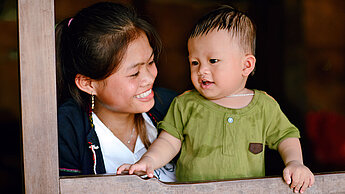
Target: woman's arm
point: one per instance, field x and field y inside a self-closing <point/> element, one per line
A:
<point x="75" y="133"/>
<point x="69" y="151"/>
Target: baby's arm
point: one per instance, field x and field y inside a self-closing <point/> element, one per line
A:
<point x="302" y="177"/>
<point x="162" y="151"/>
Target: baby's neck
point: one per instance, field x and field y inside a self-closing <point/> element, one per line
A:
<point x="236" y="101"/>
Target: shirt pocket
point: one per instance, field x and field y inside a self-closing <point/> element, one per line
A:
<point x="255" y="148"/>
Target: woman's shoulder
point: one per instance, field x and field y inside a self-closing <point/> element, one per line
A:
<point x="162" y="94"/>
<point x="71" y="114"/>
<point x="69" y="107"/>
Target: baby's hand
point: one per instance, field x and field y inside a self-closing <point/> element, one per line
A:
<point x="301" y="176"/>
<point x="144" y="164"/>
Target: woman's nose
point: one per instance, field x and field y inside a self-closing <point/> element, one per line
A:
<point x="149" y="75"/>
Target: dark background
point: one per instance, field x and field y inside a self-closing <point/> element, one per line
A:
<point x="300" y="62"/>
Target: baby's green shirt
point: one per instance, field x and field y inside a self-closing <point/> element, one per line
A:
<point x="222" y="143"/>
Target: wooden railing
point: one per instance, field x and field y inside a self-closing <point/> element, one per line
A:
<point x="324" y="183"/>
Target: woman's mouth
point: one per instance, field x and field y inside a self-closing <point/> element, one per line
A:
<point x="144" y="95"/>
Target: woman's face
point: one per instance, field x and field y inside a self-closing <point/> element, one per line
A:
<point x="129" y="89"/>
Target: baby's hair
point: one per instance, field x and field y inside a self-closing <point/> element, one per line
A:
<point x="239" y="26"/>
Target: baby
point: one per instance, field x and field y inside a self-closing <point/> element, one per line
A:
<point x="221" y="128"/>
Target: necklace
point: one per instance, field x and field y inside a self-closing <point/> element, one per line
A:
<point x="130" y="138"/>
<point x="237" y="95"/>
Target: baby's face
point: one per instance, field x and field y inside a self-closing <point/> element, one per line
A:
<point x="216" y="64"/>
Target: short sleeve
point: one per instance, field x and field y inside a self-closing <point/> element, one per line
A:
<point x="172" y="122"/>
<point x="279" y="128"/>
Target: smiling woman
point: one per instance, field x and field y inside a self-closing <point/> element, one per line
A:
<point x="106" y="61"/>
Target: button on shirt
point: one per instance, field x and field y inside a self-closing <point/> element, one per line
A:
<point x="115" y="153"/>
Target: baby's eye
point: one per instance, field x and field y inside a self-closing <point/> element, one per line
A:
<point x="214" y="60"/>
<point x="194" y="63"/>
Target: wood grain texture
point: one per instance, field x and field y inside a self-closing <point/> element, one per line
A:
<point x="38" y="95"/>
<point x="325" y="183"/>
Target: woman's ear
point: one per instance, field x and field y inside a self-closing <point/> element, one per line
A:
<point x="85" y="84"/>
<point x="248" y="65"/>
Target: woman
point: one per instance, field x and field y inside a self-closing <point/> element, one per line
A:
<point x="108" y="107"/>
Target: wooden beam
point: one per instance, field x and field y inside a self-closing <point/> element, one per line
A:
<point x="38" y="95"/>
<point x="324" y="183"/>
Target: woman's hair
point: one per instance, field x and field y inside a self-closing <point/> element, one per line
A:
<point x="239" y="26"/>
<point x="93" y="43"/>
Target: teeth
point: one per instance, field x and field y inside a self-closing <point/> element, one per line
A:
<point x="206" y="82"/>
<point x="145" y="94"/>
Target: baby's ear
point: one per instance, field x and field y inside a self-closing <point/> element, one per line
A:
<point x="85" y="84"/>
<point x="248" y="65"/>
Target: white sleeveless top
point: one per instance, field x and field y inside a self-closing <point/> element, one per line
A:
<point x="115" y="153"/>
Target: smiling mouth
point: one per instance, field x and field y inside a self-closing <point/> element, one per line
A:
<point x="145" y="94"/>
<point x="206" y="83"/>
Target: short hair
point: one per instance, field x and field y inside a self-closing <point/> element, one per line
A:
<point x="238" y="24"/>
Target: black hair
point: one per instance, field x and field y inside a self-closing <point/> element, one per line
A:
<point x="225" y="17"/>
<point x="93" y="42"/>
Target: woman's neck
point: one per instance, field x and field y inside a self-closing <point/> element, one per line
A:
<point x="122" y="125"/>
<point x="119" y="123"/>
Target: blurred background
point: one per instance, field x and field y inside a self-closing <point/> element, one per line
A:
<point x="300" y="62"/>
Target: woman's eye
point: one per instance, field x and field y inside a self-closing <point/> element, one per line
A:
<point x="152" y="62"/>
<point x="195" y="63"/>
<point x="134" y="75"/>
<point x="214" y="60"/>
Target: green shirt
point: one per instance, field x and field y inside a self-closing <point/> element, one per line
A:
<point x="223" y="143"/>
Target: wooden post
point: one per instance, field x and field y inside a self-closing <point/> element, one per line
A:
<point x="38" y="95"/>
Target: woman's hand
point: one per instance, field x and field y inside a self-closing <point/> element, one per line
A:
<point x="298" y="175"/>
<point x="143" y="165"/>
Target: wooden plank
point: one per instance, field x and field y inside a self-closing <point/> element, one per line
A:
<point x="324" y="183"/>
<point x="38" y="95"/>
